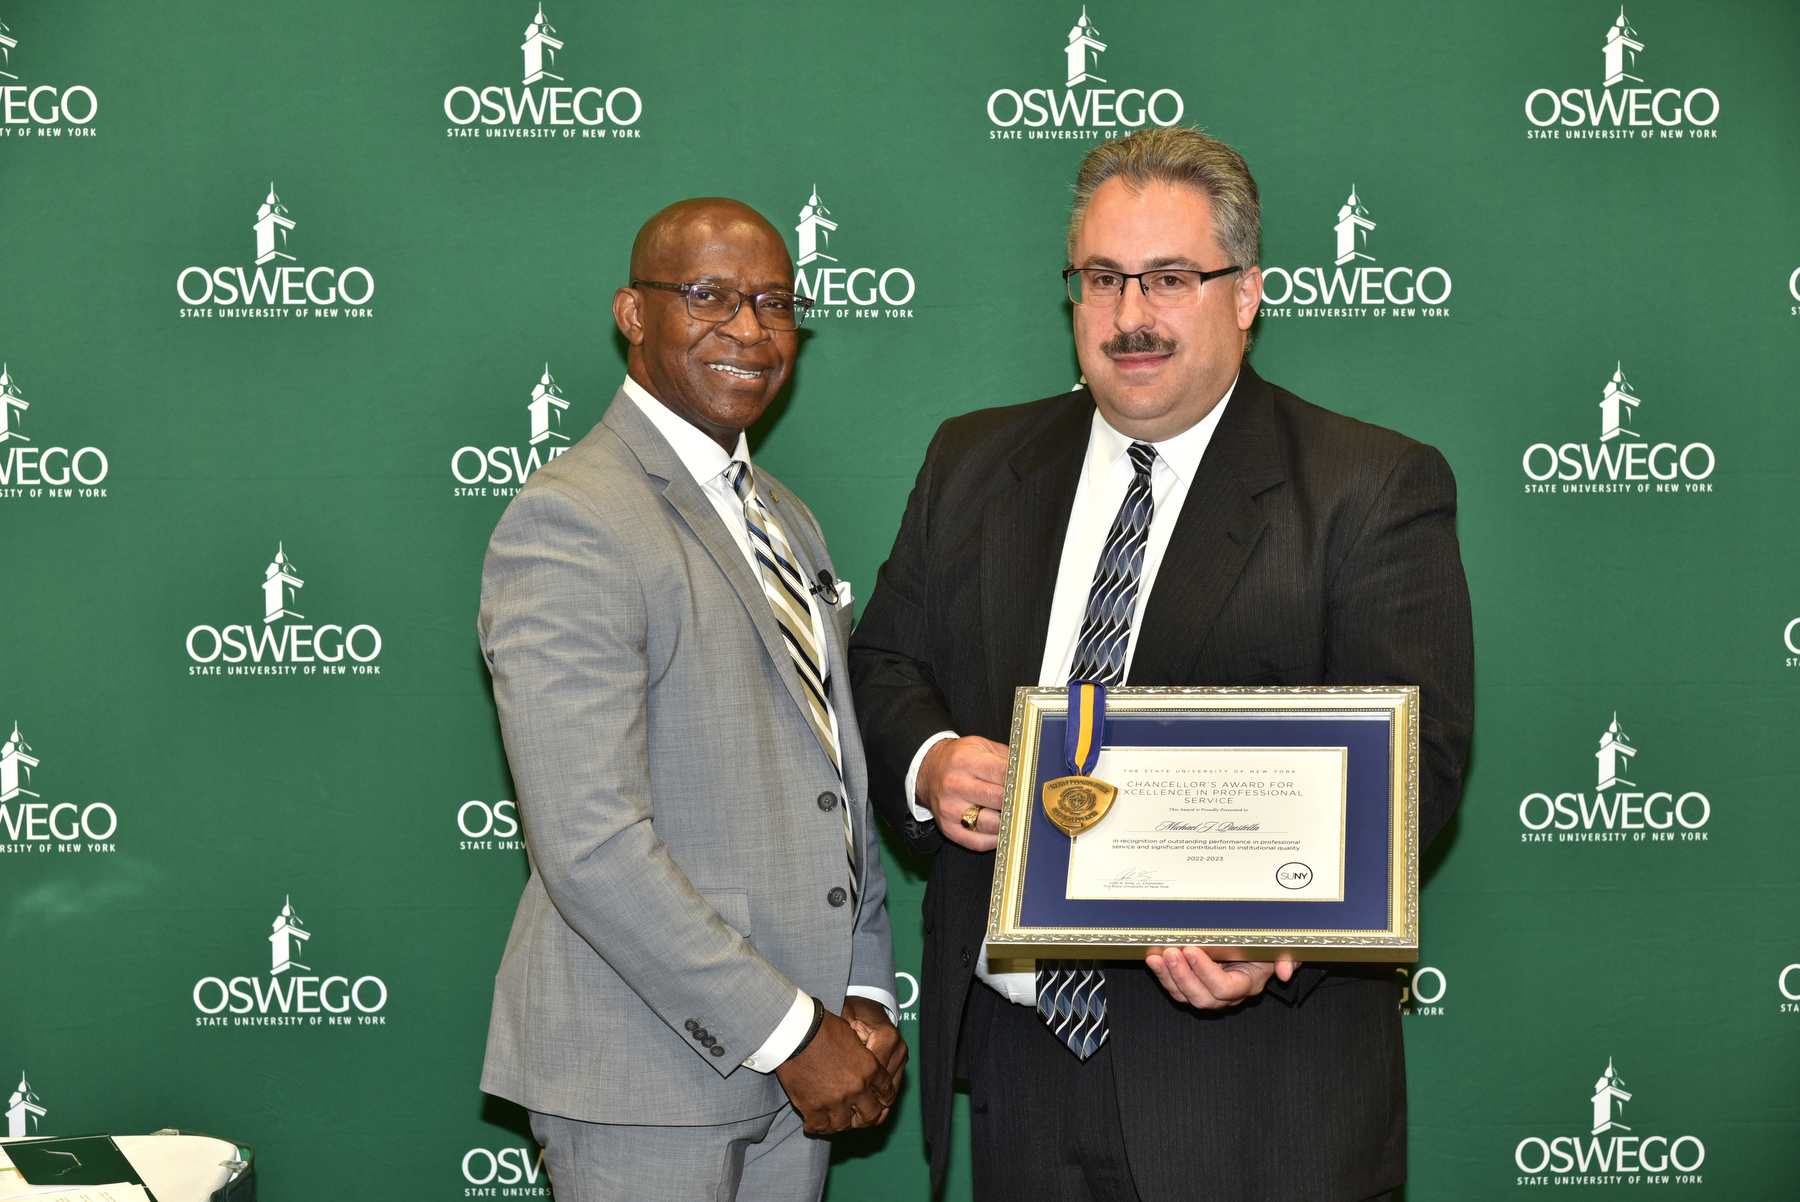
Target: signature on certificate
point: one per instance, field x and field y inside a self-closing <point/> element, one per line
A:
<point x="1135" y="878"/>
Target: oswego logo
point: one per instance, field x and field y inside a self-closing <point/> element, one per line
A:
<point x="1787" y="981"/>
<point x="31" y="471"/>
<point x="1627" y="464"/>
<point x="494" y="112"/>
<point x="297" y="1000"/>
<point x="1422" y="991"/>
<point x="1352" y="286"/>
<point x="1634" y="813"/>
<point x="47" y="110"/>
<point x="844" y="291"/>
<point x="29" y="822"/>
<point x="500" y="471"/>
<point x="290" y="648"/>
<point x="1616" y="1160"/>
<point x="517" y="1167"/>
<point x="1622" y="112"/>
<point x="488" y="827"/>
<point x="24" y="1111"/>
<point x="1095" y="113"/>
<point x="295" y="291"/>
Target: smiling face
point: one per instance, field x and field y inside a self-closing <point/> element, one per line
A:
<point x="1156" y="372"/>
<point x="719" y="376"/>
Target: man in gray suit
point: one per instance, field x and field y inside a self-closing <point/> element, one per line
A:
<point x="667" y="644"/>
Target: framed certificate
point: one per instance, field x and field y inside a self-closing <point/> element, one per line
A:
<point x="1247" y="821"/>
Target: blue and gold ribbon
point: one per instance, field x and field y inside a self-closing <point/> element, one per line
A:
<point x="1087" y="723"/>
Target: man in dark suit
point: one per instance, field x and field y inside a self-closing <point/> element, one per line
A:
<point x="1177" y="522"/>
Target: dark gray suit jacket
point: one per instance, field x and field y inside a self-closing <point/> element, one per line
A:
<point x="1311" y="549"/>
<point x="688" y="866"/>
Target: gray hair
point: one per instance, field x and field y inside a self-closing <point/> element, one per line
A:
<point x="1178" y="155"/>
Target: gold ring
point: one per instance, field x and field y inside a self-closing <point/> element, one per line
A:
<point x="971" y="816"/>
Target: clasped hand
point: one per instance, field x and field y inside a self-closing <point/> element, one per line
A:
<point x="849" y="1075"/>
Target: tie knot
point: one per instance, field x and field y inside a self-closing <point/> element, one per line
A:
<point x="742" y="482"/>
<point x="1142" y="456"/>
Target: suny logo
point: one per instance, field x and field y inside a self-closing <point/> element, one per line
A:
<point x="28" y="470"/>
<point x="501" y="115"/>
<point x="1353" y="286"/>
<point x="1660" y="467"/>
<point x="1626" y="112"/>
<point x="478" y="471"/>
<point x="24" y="1110"/>
<point x="285" y="291"/>
<point x="48" y="110"/>
<point x="290" y="648"/>
<point x="308" y="1000"/>
<point x="62" y="825"/>
<point x="1633" y="813"/>
<point x="1625" y="1155"/>
<point x="1090" y="113"/>
<point x="843" y="291"/>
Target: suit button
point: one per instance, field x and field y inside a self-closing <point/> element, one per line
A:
<point x="837" y="896"/>
<point x="692" y="1025"/>
<point x="718" y="1049"/>
<point x="965" y="957"/>
<point x="928" y="924"/>
<point x="701" y="1035"/>
<point x="828" y="801"/>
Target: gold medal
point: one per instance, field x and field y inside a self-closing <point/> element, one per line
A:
<point x="1074" y="803"/>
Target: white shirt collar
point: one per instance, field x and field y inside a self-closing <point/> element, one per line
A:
<point x="703" y="457"/>
<point x="1181" y="453"/>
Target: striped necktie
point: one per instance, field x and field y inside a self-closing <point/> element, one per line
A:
<point x="786" y="589"/>
<point x="1071" y="994"/>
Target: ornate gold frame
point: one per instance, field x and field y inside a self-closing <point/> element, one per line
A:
<point x="1399" y="942"/>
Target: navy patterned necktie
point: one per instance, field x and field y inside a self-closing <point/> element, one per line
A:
<point x="1071" y="994"/>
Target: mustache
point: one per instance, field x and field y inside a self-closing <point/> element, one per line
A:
<point x="1138" y="342"/>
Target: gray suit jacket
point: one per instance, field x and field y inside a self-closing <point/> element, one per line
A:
<point x="679" y="811"/>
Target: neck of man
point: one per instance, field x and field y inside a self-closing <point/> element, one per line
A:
<point x="1179" y="419"/>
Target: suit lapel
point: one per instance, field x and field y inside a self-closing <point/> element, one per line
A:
<point x="1022" y="531"/>
<point x="686" y="497"/>
<point x="1218" y="528"/>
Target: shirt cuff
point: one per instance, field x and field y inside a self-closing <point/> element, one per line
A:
<point x="919" y="812"/>
<point x="785" y="1038"/>
<point x="886" y="997"/>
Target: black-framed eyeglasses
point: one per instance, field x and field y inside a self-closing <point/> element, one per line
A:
<point x="716" y="303"/>
<point x="1168" y="287"/>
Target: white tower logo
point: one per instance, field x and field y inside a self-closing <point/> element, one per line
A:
<point x="280" y="583"/>
<point x="814" y="229"/>
<point x="540" y="49"/>
<point x="287" y="940"/>
<point x="1617" y="400"/>
<point x="1620" y="51"/>
<point x="271" y="217"/>
<point x="7" y="46"/>
<point x="23" y="1106"/>
<point x="1608" y="1089"/>
<point x="1615" y="756"/>
<point x="1083" y="38"/>
<point x="1352" y="220"/>
<point x="546" y="408"/>
<point x="12" y="407"/>
<point x="16" y="763"/>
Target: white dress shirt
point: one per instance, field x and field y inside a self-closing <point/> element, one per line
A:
<point x="1105" y="476"/>
<point x="707" y="461"/>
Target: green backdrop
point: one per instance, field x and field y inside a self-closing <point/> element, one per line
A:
<point x="1605" y="353"/>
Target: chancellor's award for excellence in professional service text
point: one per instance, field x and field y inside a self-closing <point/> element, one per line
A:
<point x="1216" y="824"/>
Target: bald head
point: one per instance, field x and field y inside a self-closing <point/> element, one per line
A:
<point x="667" y="241"/>
<point x="718" y="375"/>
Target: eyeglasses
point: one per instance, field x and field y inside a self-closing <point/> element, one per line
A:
<point x="1167" y="287"/>
<point x="716" y="303"/>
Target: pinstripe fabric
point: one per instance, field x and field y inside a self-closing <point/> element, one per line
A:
<point x="1071" y="994"/>
<point x="786" y="590"/>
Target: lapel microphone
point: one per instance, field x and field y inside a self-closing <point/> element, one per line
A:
<point x="827" y="585"/>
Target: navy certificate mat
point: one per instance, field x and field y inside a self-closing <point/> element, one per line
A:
<point x="1368" y="833"/>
